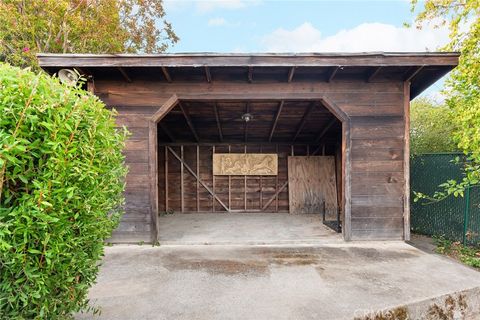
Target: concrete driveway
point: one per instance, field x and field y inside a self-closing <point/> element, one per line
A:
<point x="338" y="281"/>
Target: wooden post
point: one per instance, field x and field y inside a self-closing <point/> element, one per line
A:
<point x="166" y="179"/>
<point x="198" y="174"/>
<point x="229" y="183"/>
<point x="261" y="183"/>
<point x="245" y="184"/>
<point x="182" y="193"/>
<point x="213" y="182"/>
<point x="406" y="162"/>
<point x="276" y="183"/>
<point x="153" y="168"/>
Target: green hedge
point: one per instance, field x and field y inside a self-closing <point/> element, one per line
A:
<point x="61" y="193"/>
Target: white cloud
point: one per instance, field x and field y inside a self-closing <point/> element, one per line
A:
<point x="364" y="37"/>
<point x="215" y="22"/>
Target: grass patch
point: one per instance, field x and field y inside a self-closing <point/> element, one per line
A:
<point x="469" y="255"/>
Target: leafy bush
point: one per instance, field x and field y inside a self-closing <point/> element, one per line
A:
<point x="61" y="186"/>
<point x="431" y="127"/>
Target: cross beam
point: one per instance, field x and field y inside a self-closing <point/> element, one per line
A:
<point x="198" y="178"/>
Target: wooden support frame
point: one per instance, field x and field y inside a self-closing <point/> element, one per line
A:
<point x="124" y="74"/>
<point x="208" y="75"/>
<point x="189" y="121"/>
<point x="182" y="187"/>
<point x="247" y="110"/>
<point x="198" y="178"/>
<point x="326" y="102"/>
<point x="373" y="73"/>
<point x="322" y="134"/>
<point x="153" y="161"/>
<point x="275" y="120"/>
<point x="412" y="73"/>
<point x="166" y="74"/>
<point x="406" y="163"/>
<point x="250" y="74"/>
<point x="291" y="74"/>
<point x="219" y="124"/>
<point x="167" y="131"/>
<point x="304" y="120"/>
<point x="332" y="73"/>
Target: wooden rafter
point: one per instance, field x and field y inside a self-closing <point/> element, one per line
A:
<point x="303" y="121"/>
<point x="411" y="73"/>
<point x="198" y="178"/>
<point x="166" y="131"/>
<point x="219" y="124"/>
<point x="208" y="75"/>
<point x="373" y="73"/>
<point x="275" y="121"/>
<point x="124" y="74"/>
<point x="324" y="131"/>
<point x="291" y="73"/>
<point x="250" y="74"/>
<point x="332" y="73"/>
<point x="189" y="121"/>
<point x="166" y="74"/>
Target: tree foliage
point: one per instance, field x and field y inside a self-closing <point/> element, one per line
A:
<point x="463" y="87"/>
<point x="431" y="127"/>
<point x="61" y="193"/>
<point x="81" y="26"/>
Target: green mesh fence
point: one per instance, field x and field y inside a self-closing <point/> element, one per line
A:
<point x="454" y="218"/>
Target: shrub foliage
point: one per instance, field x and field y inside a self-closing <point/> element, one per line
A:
<point x="61" y="185"/>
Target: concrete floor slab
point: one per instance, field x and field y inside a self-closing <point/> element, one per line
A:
<point x="245" y="228"/>
<point x="334" y="281"/>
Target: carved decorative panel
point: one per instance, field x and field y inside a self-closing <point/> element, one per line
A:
<point x="249" y="164"/>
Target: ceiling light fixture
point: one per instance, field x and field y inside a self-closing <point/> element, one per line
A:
<point x="247" y="117"/>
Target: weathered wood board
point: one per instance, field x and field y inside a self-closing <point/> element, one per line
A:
<point x="311" y="182"/>
<point x="245" y="164"/>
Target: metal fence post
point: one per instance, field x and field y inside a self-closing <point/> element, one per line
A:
<point x="466" y="216"/>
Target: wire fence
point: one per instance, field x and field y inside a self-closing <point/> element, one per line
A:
<point x="454" y="218"/>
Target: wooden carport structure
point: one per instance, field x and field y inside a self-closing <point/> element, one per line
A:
<point x="183" y="108"/>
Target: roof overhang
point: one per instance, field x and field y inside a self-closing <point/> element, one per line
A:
<point x="421" y="69"/>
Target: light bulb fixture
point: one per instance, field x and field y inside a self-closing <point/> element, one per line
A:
<point x="247" y="117"/>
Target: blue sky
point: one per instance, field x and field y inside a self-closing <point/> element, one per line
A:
<point x="299" y="26"/>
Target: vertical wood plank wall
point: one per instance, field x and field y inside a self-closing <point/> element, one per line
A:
<point x="376" y="112"/>
<point x="229" y="189"/>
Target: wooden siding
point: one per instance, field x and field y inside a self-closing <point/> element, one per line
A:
<point x="377" y="130"/>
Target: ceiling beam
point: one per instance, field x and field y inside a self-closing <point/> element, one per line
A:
<point x="189" y="121"/>
<point x="303" y="121"/>
<point x="291" y="73"/>
<point x="322" y="133"/>
<point x="332" y="73"/>
<point x="275" y="120"/>
<point x="166" y="74"/>
<point x="250" y="74"/>
<point x="411" y="73"/>
<point x="124" y="74"/>
<point x="373" y="73"/>
<point x="166" y="131"/>
<point x="208" y="75"/>
<point x="219" y="125"/>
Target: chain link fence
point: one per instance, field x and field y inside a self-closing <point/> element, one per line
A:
<point x="456" y="219"/>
